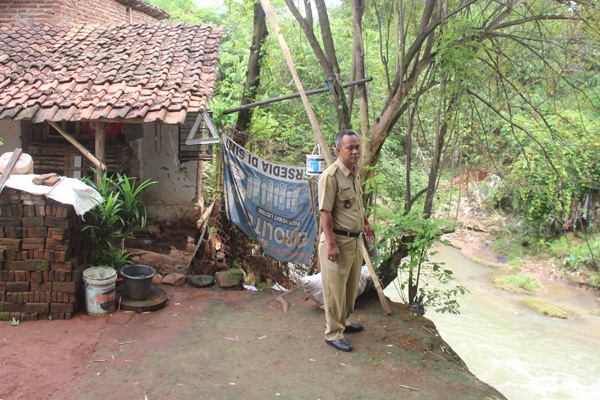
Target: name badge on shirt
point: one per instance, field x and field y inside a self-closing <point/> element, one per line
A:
<point x="347" y="203"/>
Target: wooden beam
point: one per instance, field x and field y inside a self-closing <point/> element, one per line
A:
<point x="290" y="96"/>
<point x="100" y="145"/>
<point x="288" y="58"/>
<point x="79" y="146"/>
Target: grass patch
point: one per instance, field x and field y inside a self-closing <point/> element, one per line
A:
<point x="541" y="307"/>
<point x="518" y="284"/>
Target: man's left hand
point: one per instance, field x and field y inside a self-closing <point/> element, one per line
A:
<point x="369" y="232"/>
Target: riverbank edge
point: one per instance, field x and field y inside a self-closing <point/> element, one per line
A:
<point x="474" y="245"/>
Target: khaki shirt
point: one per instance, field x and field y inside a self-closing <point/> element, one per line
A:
<point x="340" y="193"/>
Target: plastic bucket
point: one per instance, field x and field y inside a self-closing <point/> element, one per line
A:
<point x="315" y="164"/>
<point x="138" y="281"/>
<point x="99" y="290"/>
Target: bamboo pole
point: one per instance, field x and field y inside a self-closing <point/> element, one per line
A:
<point x="290" y="96"/>
<point x="288" y="58"/>
<point x="79" y="146"/>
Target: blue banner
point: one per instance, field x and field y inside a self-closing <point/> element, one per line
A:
<point x="269" y="202"/>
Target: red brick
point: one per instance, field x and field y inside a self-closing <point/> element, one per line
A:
<point x="40" y="308"/>
<point x="66" y="266"/>
<point x="15" y="265"/>
<point x="37" y="265"/>
<point x="57" y="248"/>
<point x="18" y="286"/>
<point x="32" y="246"/>
<point x="33" y="222"/>
<point x="29" y="211"/>
<point x="34" y="240"/>
<point x="58" y="234"/>
<point x="49" y="255"/>
<point x="10" y="244"/>
<point x="54" y="222"/>
<point x="41" y="287"/>
<point x="37" y="232"/>
<point x="62" y="308"/>
<point x="14" y="307"/>
<point x="66" y="287"/>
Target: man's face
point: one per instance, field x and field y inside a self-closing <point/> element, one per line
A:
<point x="349" y="150"/>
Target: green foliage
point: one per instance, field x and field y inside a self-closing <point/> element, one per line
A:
<point x="550" y="186"/>
<point x="113" y="220"/>
<point x="187" y="10"/>
<point x="518" y="284"/>
<point x="421" y="282"/>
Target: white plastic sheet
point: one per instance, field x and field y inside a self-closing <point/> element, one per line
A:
<point x="66" y="191"/>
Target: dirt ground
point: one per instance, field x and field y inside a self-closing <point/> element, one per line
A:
<point x="214" y="344"/>
<point x="208" y="343"/>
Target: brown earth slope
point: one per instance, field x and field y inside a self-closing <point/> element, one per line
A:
<point x="212" y="344"/>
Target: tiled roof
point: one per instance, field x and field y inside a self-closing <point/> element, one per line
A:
<point x="145" y="72"/>
<point x="146" y="8"/>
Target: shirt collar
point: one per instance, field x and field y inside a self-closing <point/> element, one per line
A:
<point x="345" y="169"/>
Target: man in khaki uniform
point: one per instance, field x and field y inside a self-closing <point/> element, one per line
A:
<point x="343" y="221"/>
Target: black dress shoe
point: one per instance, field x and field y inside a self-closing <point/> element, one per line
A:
<point x="353" y="328"/>
<point x="340" y="344"/>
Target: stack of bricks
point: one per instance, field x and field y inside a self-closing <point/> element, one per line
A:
<point x="41" y="257"/>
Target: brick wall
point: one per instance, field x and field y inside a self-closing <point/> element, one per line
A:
<point x="42" y="255"/>
<point x="69" y="11"/>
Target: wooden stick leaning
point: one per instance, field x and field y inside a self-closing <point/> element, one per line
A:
<point x="202" y="224"/>
<point x="79" y="146"/>
<point x="288" y="58"/>
<point x="382" y="299"/>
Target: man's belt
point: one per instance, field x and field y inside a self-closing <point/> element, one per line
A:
<point x="347" y="234"/>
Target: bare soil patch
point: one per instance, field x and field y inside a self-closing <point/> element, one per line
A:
<point x="214" y="344"/>
<point x="209" y="343"/>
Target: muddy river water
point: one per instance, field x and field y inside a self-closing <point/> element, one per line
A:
<point x="521" y="353"/>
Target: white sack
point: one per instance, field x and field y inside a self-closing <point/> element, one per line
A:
<point x="313" y="285"/>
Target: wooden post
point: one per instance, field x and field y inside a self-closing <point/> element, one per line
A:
<point x="79" y="146"/>
<point x="100" y="148"/>
<point x="288" y="58"/>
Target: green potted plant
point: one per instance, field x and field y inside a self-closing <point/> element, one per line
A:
<point x="112" y="221"/>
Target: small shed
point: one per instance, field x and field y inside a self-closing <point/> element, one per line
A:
<point x="134" y="95"/>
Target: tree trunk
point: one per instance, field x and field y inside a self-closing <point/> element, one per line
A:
<point x="326" y="57"/>
<point x="253" y="74"/>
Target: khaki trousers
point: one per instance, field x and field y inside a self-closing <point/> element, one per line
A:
<point x="340" y="283"/>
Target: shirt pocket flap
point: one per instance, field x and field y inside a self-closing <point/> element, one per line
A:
<point x="346" y="194"/>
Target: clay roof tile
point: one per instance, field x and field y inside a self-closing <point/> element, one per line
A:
<point x="51" y="72"/>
